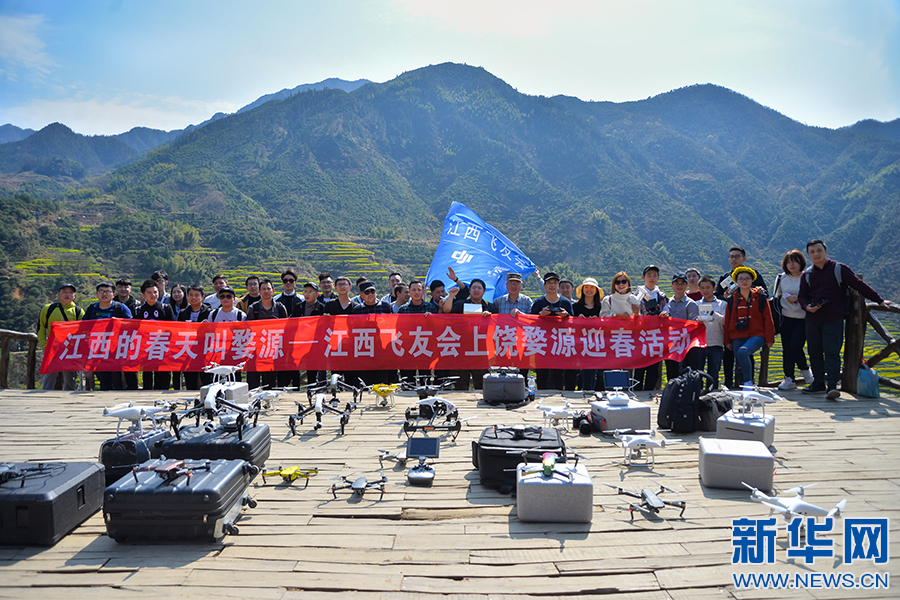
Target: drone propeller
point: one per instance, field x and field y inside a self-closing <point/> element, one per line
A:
<point x="668" y="489"/>
<point x="799" y="489"/>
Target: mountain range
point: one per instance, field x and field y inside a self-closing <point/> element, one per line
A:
<point x="587" y="188"/>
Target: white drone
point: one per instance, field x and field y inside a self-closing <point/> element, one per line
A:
<point x="749" y="397"/>
<point x="269" y="399"/>
<point x="553" y="415"/>
<point x="223" y="373"/>
<point x="640" y="447"/>
<point x="129" y="412"/>
<point x="796" y="506"/>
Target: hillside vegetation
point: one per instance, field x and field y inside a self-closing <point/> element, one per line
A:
<point x="360" y="182"/>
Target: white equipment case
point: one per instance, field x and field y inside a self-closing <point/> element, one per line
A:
<point x="731" y="463"/>
<point x="554" y="499"/>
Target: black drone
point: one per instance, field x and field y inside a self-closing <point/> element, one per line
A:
<point x="319" y="406"/>
<point x="359" y="485"/>
<point x="650" y="501"/>
<point x="426" y="390"/>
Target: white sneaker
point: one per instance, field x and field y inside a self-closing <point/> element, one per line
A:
<point x="808" y="376"/>
<point x="787" y="384"/>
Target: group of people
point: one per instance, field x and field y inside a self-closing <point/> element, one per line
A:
<point x="737" y="310"/>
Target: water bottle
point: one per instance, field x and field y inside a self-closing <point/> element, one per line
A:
<point x="532" y="387"/>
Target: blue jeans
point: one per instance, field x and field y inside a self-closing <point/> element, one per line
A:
<point x="710" y="358"/>
<point x="744" y="349"/>
<point x="823" y="342"/>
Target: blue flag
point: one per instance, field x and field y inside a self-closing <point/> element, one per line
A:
<point x="476" y="250"/>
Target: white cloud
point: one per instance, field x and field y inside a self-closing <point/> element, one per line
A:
<point x="20" y="47"/>
<point x="116" y="114"/>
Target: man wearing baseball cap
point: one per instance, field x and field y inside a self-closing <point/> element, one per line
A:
<point x="551" y="304"/>
<point x="515" y="302"/>
<point x="64" y="309"/>
<point x="680" y="307"/>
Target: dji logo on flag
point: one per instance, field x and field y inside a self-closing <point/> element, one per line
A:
<point x="461" y="256"/>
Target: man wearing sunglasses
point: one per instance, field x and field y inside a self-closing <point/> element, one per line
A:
<point x="227" y="312"/>
<point x="289" y="297"/>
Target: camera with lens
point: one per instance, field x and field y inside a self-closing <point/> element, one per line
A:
<point x="583" y="423"/>
<point x="742" y="324"/>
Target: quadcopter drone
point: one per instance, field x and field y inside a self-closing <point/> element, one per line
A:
<point x="796" y="506"/>
<point x="554" y="416"/>
<point x="384" y="391"/>
<point x="290" y="474"/>
<point x="427" y="390"/>
<point x="749" y="397"/>
<point x="171" y="470"/>
<point x="433" y="409"/>
<point x="9" y="472"/>
<point x="269" y="399"/>
<point x="640" y="447"/>
<point x="136" y="414"/>
<point x="319" y="406"/>
<point x="232" y="416"/>
<point x="399" y="456"/>
<point x="359" y="485"/>
<point x="223" y="373"/>
<point x="333" y="386"/>
<point x="650" y="501"/>
<point x="548" y="468"/>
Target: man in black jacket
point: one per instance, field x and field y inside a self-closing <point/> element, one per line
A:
<point x="154" y="310"/>
<point x="267" y="308"/>
<point x="195" y="312"/>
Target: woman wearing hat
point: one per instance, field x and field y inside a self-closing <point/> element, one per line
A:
<point x="748" y="323"/>
<point x="588" y="305"/>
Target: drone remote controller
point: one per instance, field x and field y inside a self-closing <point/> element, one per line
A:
<point x="421" y="474"/>
<point x="424" y="448"/>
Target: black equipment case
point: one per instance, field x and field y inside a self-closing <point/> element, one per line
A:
<point x="170" y="499"/>
<point x="499" y="450"/>
<point x="120" y="454"/>
<point x="42" y="502"/>
<point x="249" y="442"/>
<point x="504" y="387"/>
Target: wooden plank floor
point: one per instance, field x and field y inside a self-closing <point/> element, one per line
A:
<point x="456" y="538"/>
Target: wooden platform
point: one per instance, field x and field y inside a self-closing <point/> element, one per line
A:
<point x="457" y="538"/>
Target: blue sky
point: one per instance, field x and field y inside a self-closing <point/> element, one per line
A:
<point x="103" y="67"/>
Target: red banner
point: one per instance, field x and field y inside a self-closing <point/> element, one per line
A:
<point x="371" y="342"/>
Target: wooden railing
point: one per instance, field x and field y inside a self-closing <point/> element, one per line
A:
<point x="855" y="341"/>
<point x="7" y="335"/>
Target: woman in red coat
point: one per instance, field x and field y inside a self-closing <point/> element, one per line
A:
<point x="748" y="323"/>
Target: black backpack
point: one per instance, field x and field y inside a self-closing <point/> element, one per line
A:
<point x="679" y="407"/>
<point x="712" y="406"/>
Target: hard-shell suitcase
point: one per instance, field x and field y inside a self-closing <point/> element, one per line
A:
<point x="120" y="454"/>
<point x="250" y="443"/>
<point x="499" y="449"/>
<point x="42" y="502"/>
<point x="169" y="499"/>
